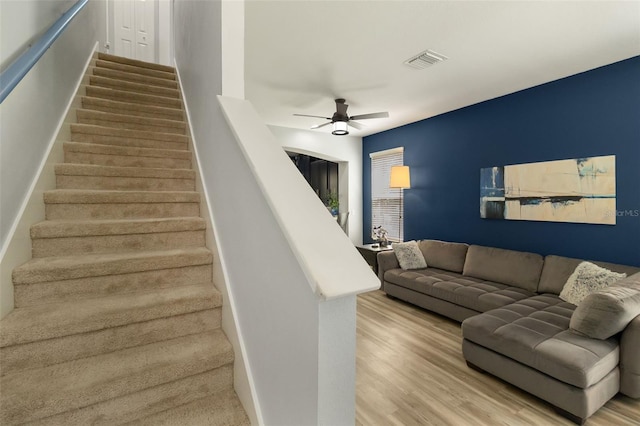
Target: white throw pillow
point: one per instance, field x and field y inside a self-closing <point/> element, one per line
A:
<point x="409" y="255"/>
<point x="586" y="279"/>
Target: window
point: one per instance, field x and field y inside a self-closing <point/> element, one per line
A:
<point x="387" y="204"/>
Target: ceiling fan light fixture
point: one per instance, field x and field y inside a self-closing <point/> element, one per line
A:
<point x="340" y="128"/>
<point x="341" y="121"/>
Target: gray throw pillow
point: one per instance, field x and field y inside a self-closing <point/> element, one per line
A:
<point x="586" y="279"/>
<point x="409" y="255"/>
<point x="606" y="312"/>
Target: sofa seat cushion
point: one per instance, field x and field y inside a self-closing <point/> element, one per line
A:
<point x="469" y="292"/>
<point x="419" y="280"/>
<point x="535" y="332"/>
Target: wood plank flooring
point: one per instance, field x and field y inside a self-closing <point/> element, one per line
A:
<point x="410" y="371"/>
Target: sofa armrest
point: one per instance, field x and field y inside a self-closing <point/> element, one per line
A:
<point x="386" y="260"/>
<point x="629" y="359"/>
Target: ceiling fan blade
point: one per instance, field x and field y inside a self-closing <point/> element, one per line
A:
<point x="355" y="125"/>
<point x="372" y="115"/>
<point x="317" y="126"/>
<point x="314" y="116"/>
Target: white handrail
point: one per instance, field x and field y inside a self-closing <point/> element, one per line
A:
<point x="332" y="265"/>
<point x="15" y="72"/>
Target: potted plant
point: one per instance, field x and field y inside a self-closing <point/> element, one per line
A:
<point x="333" y="204"/>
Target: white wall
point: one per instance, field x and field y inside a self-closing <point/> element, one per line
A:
<point x="343" y="149"/>
<point x="297" y="346"/>
<point x="198" y="60"/>
<point x="165" y="32"/>
<point x="249" y="238"/>
<point x="23" y="21"/>
<point x="32" y="114"/>
<point x="232" y="44"/>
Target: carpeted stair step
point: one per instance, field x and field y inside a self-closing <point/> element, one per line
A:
<point x="134" y="78"/>
<point x="136" y="70"/>
<point x="65" y="238"/>
<point x="52" y="390"/>
<point x="136" y="63"/>
<point x="132" y="109"/>
<point x="122" y="156"/>
<point x="90" y="133"/>
<point x="133" y="97"/>
<point x="126" y="408"/>
<point x="222" y="409"/>
<point x="127" y="86"/>
<point x="52" y="320"/>
<point x="123" y="121"/>
<point x="183" y="270"/>
<point x="43" y="353"/>
<point x="87" y="204"/>
<point x="88" y="176"/>
<point x="95" y="265"/>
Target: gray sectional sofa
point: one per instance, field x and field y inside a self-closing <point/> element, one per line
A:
<point x="516" y="327"/>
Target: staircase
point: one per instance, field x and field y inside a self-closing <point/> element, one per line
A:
<point x="117" y="320"/>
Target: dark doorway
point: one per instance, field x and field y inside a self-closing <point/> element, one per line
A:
<point x="321" y="174"/>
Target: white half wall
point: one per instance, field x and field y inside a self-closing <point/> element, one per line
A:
<point x="346" y="150"/>
<point x="291" y="275"/>
<point x="32" y="114"/>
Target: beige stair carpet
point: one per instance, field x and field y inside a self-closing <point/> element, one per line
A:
<point x="117" y="320"/>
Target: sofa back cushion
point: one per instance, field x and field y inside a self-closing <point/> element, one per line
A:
<point x="608" y="311"/>
<point x="515" y="268"/>
<point x="558" y="269"/>
<point x="444" y="255"/>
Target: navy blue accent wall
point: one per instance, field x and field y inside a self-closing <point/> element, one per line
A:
<point x="588" y="114"/>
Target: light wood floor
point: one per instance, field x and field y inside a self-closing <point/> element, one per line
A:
<point x="410" y="371"/>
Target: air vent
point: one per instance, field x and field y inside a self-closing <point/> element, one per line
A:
<point x="425" y="59"/>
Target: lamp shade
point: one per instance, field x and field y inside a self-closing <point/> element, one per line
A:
<point x="400" y="177"/>
<point x="340" y="128"/>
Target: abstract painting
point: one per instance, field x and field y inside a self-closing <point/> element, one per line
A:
<point x="581" y="190"/>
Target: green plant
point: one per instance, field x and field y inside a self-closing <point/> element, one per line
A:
<point x="332" y="201"/>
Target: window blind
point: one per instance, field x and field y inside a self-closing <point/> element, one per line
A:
<point x="387" y="206"/>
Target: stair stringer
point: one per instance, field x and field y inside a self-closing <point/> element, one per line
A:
<point x="242" y="382"/>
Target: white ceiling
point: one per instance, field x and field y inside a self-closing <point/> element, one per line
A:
<point x="301" y="55"/>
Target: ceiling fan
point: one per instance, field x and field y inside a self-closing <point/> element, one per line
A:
<point x="341" y="120"/>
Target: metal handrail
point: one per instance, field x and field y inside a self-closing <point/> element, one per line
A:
<point x="10" y="77"/>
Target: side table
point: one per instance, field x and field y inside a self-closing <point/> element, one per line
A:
<point x="370" y="254"/>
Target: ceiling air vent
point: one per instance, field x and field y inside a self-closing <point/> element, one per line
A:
<point x="425" y="59"/>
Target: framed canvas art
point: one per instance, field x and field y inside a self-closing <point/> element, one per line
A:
<point x="581" y="190"/>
